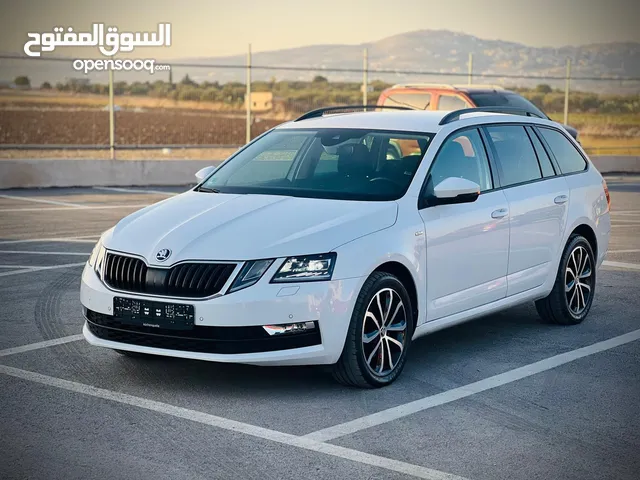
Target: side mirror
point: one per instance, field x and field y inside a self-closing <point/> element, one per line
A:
<point x="454" y="190"/>
<point x="204" y="173"/>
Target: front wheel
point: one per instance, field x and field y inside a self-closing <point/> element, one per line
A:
<point x="570" y="300"/>
<point x="379" y="334"/>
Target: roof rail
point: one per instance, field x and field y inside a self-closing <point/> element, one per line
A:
<point x="455" y="115"/>
<point x="319" y="112"/>
<point x="425" y="85"/>
<point x="480" y="85"/>
<point x="448" y="86"/>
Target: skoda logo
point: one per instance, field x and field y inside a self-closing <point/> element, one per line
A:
<point x="163" y="254"/>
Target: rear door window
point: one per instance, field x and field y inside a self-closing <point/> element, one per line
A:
<point x="543" y="158"/>
<point x="565" y="153"/>
<point x="516" y="157"/>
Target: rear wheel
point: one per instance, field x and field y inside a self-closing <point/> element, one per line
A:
<point x="570" y="300"/>
<point x="379" y="334"/>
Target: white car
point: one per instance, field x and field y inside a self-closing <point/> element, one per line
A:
<point x="312" y="245"/>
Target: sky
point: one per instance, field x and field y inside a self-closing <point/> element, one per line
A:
<point x="206" y="28"/>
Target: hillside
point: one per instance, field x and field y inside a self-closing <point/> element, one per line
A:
<point x="424" y="50"/>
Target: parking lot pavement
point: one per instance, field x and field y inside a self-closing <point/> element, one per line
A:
<point x="504" y="396"/>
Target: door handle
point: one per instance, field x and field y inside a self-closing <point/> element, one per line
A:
<point x="500" y="213"/>
<point x="560" y="199"/>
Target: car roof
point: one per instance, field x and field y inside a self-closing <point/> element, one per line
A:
<point x="444" y="87"/>
<point x="404" y="120"/>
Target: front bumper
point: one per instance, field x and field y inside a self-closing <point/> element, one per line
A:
<point x="329" y="304"/>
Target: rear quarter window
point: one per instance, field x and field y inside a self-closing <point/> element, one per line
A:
<point x="419" y="101"/>
<point x="566" y="154"/>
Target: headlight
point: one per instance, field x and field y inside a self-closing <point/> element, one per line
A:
<point x="250" y="274"/>
<point x="306" y="268"/>
<point x="97" y="257"/>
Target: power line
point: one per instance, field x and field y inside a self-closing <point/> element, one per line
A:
<point x="356" y="70"/>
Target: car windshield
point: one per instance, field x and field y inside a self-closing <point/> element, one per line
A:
<point x="503" y="99"/>
<point x="347" y="164"/>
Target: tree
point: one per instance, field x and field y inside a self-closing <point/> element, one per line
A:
<point x="22" y="81"/>
<point x="45" y="86"/>
<point x="188" y="82"/>
<point x="543" y="88"/>
<point x="320" y="79"/>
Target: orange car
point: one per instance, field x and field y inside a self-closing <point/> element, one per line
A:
<point x="435" y="96"/>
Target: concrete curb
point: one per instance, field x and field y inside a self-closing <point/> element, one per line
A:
<point x="93" y="173"/>
<point x="38" y="173"/>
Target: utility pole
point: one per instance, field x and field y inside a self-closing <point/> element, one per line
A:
<point x="566" y="92"/>
<point x="365" y="80"/>
<point x="112" y="120"/>
<point x="248" y="96"/>
<point x="470" y="65"/>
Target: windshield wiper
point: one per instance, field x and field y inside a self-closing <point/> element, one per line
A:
<point x="207" y="190"/>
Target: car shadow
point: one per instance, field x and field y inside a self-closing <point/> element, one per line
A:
<point x="432" y="353"/>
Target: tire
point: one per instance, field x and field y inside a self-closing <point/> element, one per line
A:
<point x="569" y="303"/>
<point x="352" y="369"/>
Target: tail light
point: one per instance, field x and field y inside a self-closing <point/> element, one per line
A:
<point x="606" y="193"/>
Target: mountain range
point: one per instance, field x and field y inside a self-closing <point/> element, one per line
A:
<point x="424" y="51"/>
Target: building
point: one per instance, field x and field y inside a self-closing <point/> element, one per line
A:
<point x="261" y="101"/>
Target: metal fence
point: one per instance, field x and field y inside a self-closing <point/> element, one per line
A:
<point x="209" y="106"/>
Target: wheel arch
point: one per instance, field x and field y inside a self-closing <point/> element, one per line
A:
<point x="587" y="232"/>
<point x="403" y="274"/>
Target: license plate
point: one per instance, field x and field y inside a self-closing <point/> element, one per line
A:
<point x="144" y="313"/>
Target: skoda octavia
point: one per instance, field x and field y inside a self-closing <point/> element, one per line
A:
<point x="314" y="245"/>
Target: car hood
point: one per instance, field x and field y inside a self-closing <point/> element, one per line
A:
<point x="215" y="226"/>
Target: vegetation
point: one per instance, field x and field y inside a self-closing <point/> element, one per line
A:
<point x="22" y="81"/>
<point x="320" y="91"/>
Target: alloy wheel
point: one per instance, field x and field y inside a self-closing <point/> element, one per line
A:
<point x="384" y="332"/>
<point x="578" y="280"/>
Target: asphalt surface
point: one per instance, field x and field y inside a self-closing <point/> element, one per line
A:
<point x="75" y="411"/>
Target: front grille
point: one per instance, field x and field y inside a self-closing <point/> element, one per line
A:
<point x="223" y="340"/>
<point x="192" y="280"/>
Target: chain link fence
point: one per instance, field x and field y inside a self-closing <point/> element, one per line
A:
<point x="207" y="108"/>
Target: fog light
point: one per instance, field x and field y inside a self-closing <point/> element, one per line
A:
<point x="289" y="328"/>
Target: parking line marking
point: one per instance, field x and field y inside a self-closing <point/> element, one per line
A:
<point x="88" y="207"/>
<point x="39" y="345"/>
<point x="631" y="250"/>
<point x="133" y="190"/>
<point x="232" y="425"/>
<point x="630" y="266"/>
<point x="37" y="269"/>
<point x="42" y="200"/>
<point x="87" y="239"/>
<point x="32" y="252"/>
<point x="404" y="410"/>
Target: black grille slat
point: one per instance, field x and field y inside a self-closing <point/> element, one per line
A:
<point x="136" y="267"/>
<point x="213" y="277"/>
<point x="193" y="284"/>
<point x="119" y="263"/>
<point x="223" y="276"/>
<point x="191" y="280"/>
<point x="187" y="278"/>
<point x="205" y="275"/>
